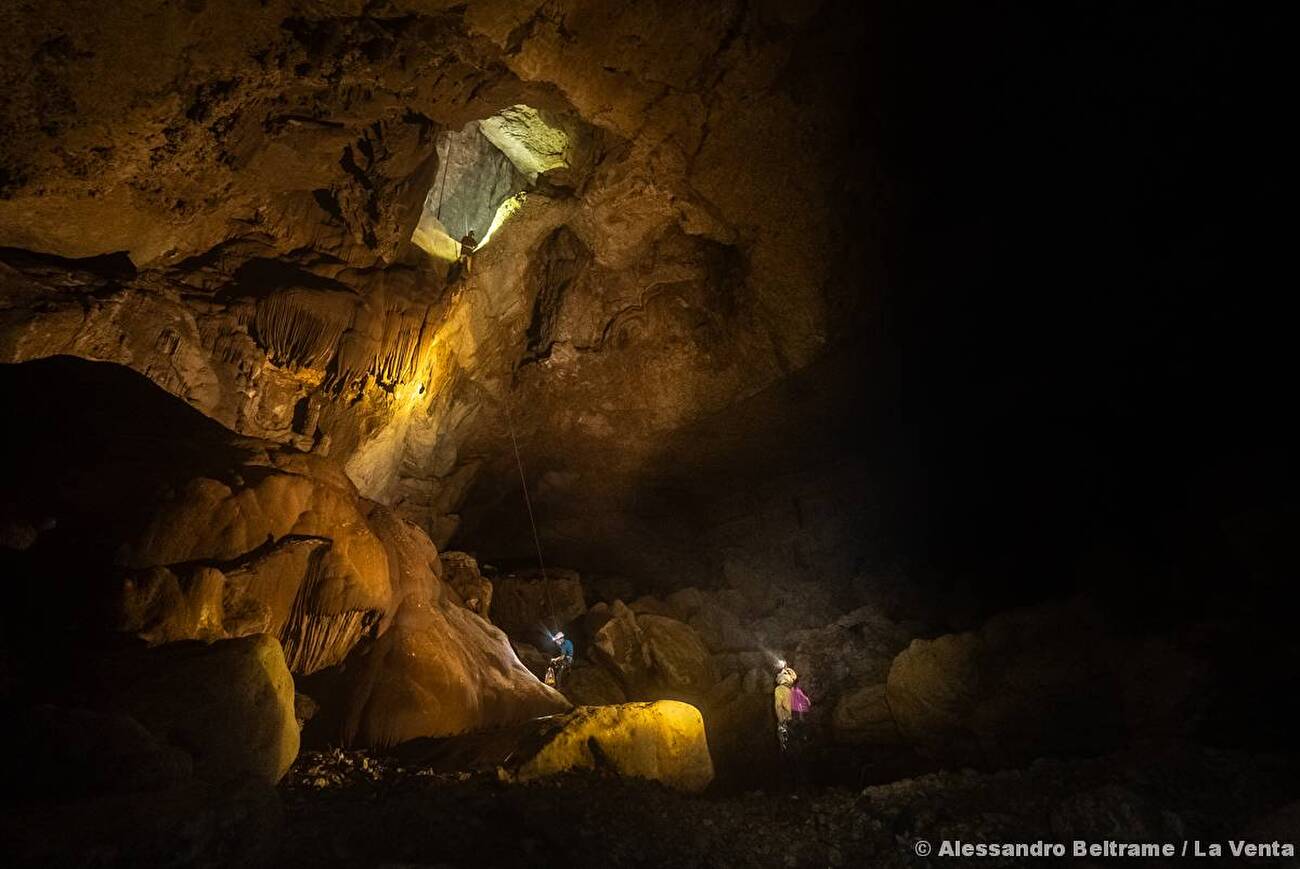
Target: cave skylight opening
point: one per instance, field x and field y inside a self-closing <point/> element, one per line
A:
<point x="485" y="171"/>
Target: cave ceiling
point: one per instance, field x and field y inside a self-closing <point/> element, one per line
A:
<point x="223" y="197"/>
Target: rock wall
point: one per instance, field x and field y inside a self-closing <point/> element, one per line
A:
<point x="223" y="200"/>
<point x="166" y="527"/>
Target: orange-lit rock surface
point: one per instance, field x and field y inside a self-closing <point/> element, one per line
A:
<point x="438" y="671"/>
<point x="172" y="529"/>
<point x="223" y="198"/>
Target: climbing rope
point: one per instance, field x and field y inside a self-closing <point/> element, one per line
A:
<point x="528" y="502"/>
<point x="442" y="191"/>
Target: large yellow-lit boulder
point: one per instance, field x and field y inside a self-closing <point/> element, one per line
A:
<point x="663" y="740"/>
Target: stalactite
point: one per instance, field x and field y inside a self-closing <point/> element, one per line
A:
<point x="388" y="347"/>
<point x="313" y="640"/>
<point x="395" y="362"/>
<point x="301" y="327"/>
<point x="319" y="641"/>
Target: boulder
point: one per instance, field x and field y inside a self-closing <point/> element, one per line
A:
<point x="525" y="606"/>
<point x="229" y="704"/>
<point x="1052" y="679"/>
<point x="460" y="572"/>
<point x="721" y="629"/>
<point x="741" y="730"/>
<point x="160" y="606"/>
<point x="663" y="741"/>
<point x="652" y="657"/>
<point x="848" y="655"/>
<point x="413" y="682"/>
<point x="932" y="689"/>
<point x="678" y="659"/>
<point x="592" y="685"/>
<point x="863" y="716"/>
<point x="741" y="662"/>
<point x="616" y="644"/>
<point x="598" y="615"/>
<point x="686" y="601"/>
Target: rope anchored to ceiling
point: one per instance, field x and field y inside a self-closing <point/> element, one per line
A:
<point x="532" y="520"/>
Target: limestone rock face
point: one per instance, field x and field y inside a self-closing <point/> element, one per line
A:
<point x="229" y="704"/>
<point x="663" y="740"/>
<point x="225" y="202"/>
<point x="526" y="606"/>
<point x="533" y="658"/>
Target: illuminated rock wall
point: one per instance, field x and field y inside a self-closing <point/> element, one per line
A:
<point x="255" y="176"/>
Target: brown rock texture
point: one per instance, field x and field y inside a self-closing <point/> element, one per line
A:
<point x="223" y="198"/>
<point x="1051" y="679"/>
<point x="864" y="716"/>
<point x="256" y="206"/>
<point x="592" y="686"/>
<point x="529" y="606"/>
<point x="202" y="535"/>
<point x="438" y="671"/>
<point x="229" y="704"/>
<point x="460" y="571"/>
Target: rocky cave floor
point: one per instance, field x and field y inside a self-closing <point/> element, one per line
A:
<point x="366" y="809"/>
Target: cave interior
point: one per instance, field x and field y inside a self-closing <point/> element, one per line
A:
<point x="914" y="347"/>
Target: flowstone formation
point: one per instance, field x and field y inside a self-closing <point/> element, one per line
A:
<point x="168" y="528"/>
